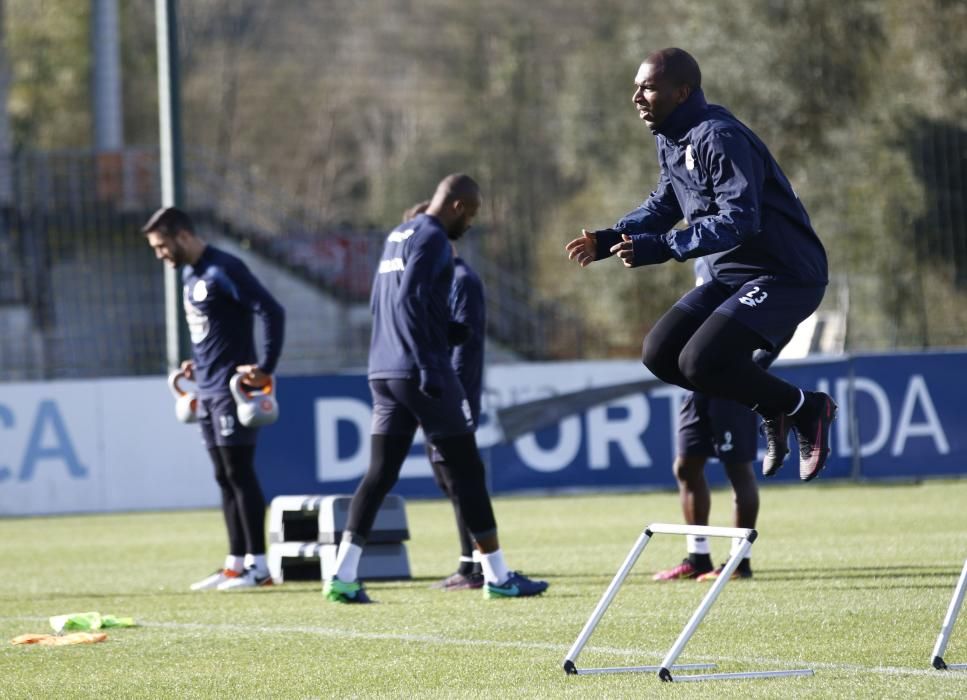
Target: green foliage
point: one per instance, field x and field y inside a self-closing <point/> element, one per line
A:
<point x="358" y="111"/>
<point x="139" y="70"/>
<point x="852" y="581"/>
<point x="49" y="51"/>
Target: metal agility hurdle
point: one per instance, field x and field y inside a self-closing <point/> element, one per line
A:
<point x="948" y="625"/>
<point x="747" y="537"/>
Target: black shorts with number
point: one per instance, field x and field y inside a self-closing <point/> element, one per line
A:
<point x="770" y="307"/>
<point x="711" y="427"/>
<point x="218" y="420"/>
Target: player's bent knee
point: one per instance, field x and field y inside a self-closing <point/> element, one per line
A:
<point x="688" y="469"/>
<point x="658" y="363"/>
<point x="699" y="368"/>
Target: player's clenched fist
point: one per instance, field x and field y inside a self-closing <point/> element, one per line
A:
<point x="584" y="249"/>
<point x="625" y="250"/>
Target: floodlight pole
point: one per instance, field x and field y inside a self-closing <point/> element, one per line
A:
<point x="172" y="191"/>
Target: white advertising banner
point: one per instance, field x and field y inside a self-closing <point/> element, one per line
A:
<point x="99" y="445"/>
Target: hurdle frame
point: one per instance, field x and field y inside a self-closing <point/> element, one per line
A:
<point x="747" y="535"/>
<point x="956" y="602"/>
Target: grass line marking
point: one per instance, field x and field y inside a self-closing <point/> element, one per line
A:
<point x="335" y="632"/>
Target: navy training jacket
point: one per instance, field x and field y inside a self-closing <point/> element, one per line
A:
<point x="738" y="205"/>
<point x="221" y="297"/>
<point x="409" y="301"/>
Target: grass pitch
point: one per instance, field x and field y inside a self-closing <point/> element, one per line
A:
<point x="851" y="580"/>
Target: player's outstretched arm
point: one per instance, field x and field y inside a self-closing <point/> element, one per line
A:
<point x="583" y="249"/>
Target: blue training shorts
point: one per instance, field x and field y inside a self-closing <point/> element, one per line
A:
<point x="218" y="420"/>
<point x="399" y="407"/>
<point x="711" y="427"/>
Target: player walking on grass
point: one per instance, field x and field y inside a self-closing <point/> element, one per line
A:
<point x="221" y="296"/>
<point x="413" y="384"/>
<point x="768" y="267"/>
<point x="465" y="335"/>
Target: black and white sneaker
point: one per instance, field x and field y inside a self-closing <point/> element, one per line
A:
<point x="215" y="580"/>
<point x="776" y="430"/>
<point x="250" y="578"/>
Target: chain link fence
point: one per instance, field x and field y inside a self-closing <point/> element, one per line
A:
<point x="309" y="127"/>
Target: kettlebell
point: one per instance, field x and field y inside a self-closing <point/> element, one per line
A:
<point x="255" y="408"/>
<point x="186" y="403"/>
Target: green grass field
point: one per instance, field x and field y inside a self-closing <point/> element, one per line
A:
<point x="852" y="581"/>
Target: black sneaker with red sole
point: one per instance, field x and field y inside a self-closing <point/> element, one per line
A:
<point x="812" y="423"/>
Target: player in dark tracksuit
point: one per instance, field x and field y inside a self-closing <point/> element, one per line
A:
<point x="413" y="384"/>
<point x="768" y="267"/>
<point x="468" y="330"/>
<point x="466" y="335"/>
<point x="221" y="297"/>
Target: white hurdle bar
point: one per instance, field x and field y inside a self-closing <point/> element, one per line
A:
<point x="747" y="535"/>
<point x="948" y="625"/>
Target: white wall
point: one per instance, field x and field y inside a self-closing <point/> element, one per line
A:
<point x="99" y="445"/>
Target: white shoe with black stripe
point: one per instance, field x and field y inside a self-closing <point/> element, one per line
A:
<point x="250" y="578"/>
<point x="215" y="580"/>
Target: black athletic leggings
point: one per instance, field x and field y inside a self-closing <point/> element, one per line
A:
<point x="714" y="356"/>
<point x="463" y="471"/>
<point x="243" y="504"/>
<point x="442" y="480"/>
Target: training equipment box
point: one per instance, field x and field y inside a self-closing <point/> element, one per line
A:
<point x="305" y="531"/>
<point x="323" y="518"/>
<point x="314" y="561"/>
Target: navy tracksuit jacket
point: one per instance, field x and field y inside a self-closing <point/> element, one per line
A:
<point x="409" y="301"/>
<point x="221" y="296"/>
<point x="739" y="208"/>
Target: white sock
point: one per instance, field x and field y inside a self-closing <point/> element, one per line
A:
<point x="259" y="563"/>
<point x="802" y="400"/>
<point x="347" y="560"/>
<point x="234" y="563"/>
<point x="696" y="545"/>
<point x="736" y="543"/>
<point x="494" y="567"/>
<point x="476" y="556"/>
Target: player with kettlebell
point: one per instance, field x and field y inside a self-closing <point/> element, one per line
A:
<point x="221" y="298"/>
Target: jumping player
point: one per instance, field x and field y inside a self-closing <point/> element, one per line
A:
<point x="768" y="267"/>
<point x="221" y="296"/>
<point x="413" y="384"/>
